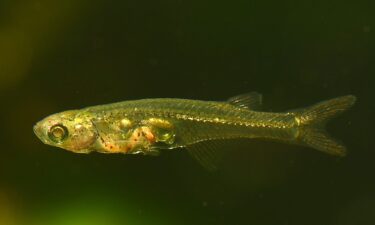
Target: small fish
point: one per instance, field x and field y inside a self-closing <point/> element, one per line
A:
<point x="148" y="125"/>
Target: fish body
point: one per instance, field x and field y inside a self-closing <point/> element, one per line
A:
<point x="148" y="125"/>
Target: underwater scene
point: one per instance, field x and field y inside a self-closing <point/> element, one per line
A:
<point x="187" y="112"/>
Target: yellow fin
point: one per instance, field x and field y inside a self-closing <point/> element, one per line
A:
<point x="320" y="140"/>
<point x="251" y="101"/>
<point x="312" y="120"/>
<point x="323" y="111"/>
<point x="207" y="153"/>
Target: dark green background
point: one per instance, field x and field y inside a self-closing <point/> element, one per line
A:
<point x="59" y="55"/>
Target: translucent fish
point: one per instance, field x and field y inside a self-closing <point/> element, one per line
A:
<point x="148" y="125"/>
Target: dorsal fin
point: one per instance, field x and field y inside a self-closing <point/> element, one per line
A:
<point x="252" y="101"/>
<point x="207" y="153"/>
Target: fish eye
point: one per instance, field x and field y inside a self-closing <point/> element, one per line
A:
<point x="58" y="133"/>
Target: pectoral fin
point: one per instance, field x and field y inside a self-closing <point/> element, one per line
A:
<point x="207" y="153"/>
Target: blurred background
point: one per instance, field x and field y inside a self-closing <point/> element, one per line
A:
<point x="65" y="54"/>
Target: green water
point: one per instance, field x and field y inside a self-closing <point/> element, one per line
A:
<point x="69" y="54"/>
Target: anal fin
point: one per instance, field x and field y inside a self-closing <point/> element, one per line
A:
<point x="207" y="153"/>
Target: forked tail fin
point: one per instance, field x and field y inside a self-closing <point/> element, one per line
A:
<point x="312" y="124"/>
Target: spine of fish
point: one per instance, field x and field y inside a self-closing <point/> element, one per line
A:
<point x="311" y="122"/>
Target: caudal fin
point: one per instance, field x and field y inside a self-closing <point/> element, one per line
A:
<point x="312" y="123"/>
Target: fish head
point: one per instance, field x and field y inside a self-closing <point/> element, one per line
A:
<point x="70" y="130"/>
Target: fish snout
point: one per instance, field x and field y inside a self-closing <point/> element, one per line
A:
<point x="38" y="130"/>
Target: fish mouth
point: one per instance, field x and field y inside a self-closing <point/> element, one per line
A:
<point x="38" y="131"/>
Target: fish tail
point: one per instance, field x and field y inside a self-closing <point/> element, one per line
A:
<point x="312" y="124"/>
